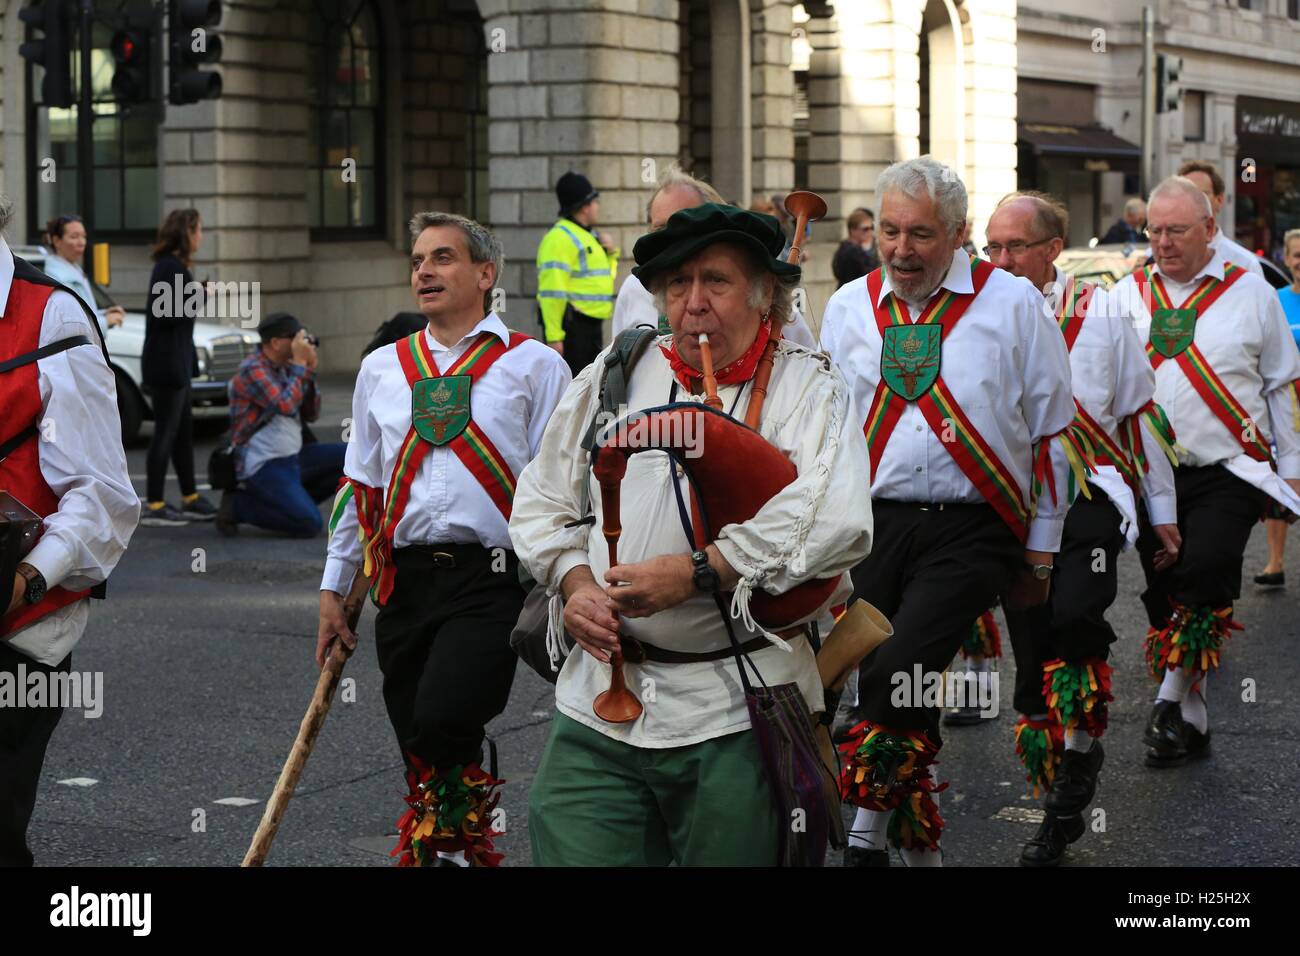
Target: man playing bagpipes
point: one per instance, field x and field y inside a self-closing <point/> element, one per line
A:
<point x="442" y="422"/>
<point x="1226" y="369"/>
<point x="963" y="383"/>
<point x="1062" y="647"/>
<point x="692" y="616"/>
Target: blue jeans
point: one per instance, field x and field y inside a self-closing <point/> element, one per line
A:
<point x="284" y="493"/>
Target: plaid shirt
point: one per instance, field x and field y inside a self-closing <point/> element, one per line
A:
<point x="260" y="384"/>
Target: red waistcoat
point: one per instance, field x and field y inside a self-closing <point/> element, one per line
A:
<point x="20" y="399"/>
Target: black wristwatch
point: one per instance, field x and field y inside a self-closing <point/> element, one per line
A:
<point x="1040" y="572"/>
<point x="706" y="579"/>
<point x="35" y="592"/>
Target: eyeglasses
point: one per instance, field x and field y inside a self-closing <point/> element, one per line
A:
<point x="1173" y="232"/>
<point x="994" y="249"/>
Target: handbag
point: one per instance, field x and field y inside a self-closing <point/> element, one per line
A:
<point x="222" y="473"/>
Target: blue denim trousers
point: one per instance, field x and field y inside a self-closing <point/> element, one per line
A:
<point x="285" y="492"/>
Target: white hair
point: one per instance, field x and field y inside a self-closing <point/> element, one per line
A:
<point x="6" y="212"/>
<point x="1182" y="186"/>
<point x="1135" y="205"/>
<point x="926" y="177"/>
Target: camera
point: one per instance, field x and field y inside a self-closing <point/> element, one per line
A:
<point x="313" y="340"/>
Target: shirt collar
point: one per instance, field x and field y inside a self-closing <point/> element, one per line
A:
<point x="957" y="280"/>
<point x="489" y="323"/>
<point x="6" y="273"/>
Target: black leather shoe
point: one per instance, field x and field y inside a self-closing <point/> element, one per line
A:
<point x="1054" y="834"/>
<point x="1271" y="581"/>
<point x="1198" y="744"/>
<point x="1075" y="783"/>
<point x="962" y="716"/>
<point x="1164" y="735"/>
<point x="861" y="856"/>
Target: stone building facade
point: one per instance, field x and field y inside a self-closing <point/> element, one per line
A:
<point x="477" y="106"/>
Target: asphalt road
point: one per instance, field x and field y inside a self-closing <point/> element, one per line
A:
<point x="206" y="644"/>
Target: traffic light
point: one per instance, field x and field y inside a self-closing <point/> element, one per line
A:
<point x="1169" y="88"/>
<point x="191" y="43"/>
<point x="54" y="19"/>
<point x="132" y="49"/>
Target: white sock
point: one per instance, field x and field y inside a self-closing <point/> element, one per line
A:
<point x="1175" y="685"/>
<point x="868" y="831"/>
<point x="458" y="857"/>
<point x="920" y="856"/>
<point x="1078" y="739"/>
<point x="1194" y="709"/>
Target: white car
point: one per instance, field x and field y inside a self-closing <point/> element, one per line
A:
<point x="220" y="349"/>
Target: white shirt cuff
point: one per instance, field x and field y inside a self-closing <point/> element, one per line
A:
<point x="566" y="562"/>
<point x="1162" y="509"/>
<point x="338" y="575"/>
<point x="1045" y="534"/>
<point x="51" y="558"/>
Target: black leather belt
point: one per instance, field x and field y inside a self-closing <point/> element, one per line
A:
<point x="637" y="652"/>
<point x="449" y="555"/>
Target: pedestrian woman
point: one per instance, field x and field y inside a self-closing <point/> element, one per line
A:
<point x="66" y="237"/>
<point x="168" y="364"/>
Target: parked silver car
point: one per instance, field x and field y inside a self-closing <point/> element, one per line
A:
<point x="220" y="349"/>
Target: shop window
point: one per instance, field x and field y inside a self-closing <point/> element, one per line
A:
<point x="345" y="181"/>
<point x="1293" y="9"/>
<point x="125" y="153"/>
<point x="1194" y="116"/>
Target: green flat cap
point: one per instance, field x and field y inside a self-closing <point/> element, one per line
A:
<point x="691" y="230"/>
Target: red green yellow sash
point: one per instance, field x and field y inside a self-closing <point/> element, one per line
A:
<point x="379" y="514"/>
<point x="1221" y="402"/>
<point x="970" y="451"/>
<point x="1073" y="309"/>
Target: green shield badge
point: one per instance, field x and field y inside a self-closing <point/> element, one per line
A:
<point x="1172" y="331"/>
<point x="440" y="407"/>
<point x="909" y="358"/>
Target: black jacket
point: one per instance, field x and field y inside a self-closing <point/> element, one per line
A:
<point x="851" y="261"/>
<point x="168" y="359"/>
<point x="1121" y="232"/>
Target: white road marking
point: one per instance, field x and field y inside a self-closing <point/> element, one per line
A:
<point x="236" y="801"/>
<point x="79" y="782"/>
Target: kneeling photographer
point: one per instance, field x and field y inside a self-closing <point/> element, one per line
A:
<point x="272" y="397"/>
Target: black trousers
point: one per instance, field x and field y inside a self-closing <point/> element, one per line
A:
<point x="1216" y="513"/>
<point x="931" y="572"/>
<point x="443" y="641"/>
<point x="24" y="734"/>
<point x="1072" y="624"/>
<point x="584" y="337"/>
<point x="173" y="437"/>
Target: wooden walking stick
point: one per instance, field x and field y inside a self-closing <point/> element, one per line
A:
<point x="308" y="731"/>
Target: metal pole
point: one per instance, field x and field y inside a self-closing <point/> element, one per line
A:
<point x="1148" y="96"/>
<point x="86" y="128"/>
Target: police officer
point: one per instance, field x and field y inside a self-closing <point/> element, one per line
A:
<point x="576" y="266"/>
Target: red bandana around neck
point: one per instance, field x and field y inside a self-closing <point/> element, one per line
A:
<point x="741" y="370"/>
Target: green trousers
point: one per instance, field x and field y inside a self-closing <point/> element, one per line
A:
<point x="598" y="802"/>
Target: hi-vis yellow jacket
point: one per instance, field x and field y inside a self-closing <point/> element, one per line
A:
<point x="573" y="268"/>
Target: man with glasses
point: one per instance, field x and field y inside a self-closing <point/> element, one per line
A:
<point x="959" y="375"/>
<point x="1226" y="369"/>
<point x="1065" y="643"/>
<point x="856" y="255"/>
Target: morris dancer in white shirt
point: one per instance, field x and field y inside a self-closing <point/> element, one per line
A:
<point x="1062" y="647"/>
<point x="636" y="306"/>
<point x="1226" y="369"/>
<point x="61" y="457"/>
<point x="953" y="457"/>
<point x="683" y="781"/>
<point x="442" y="422"/>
